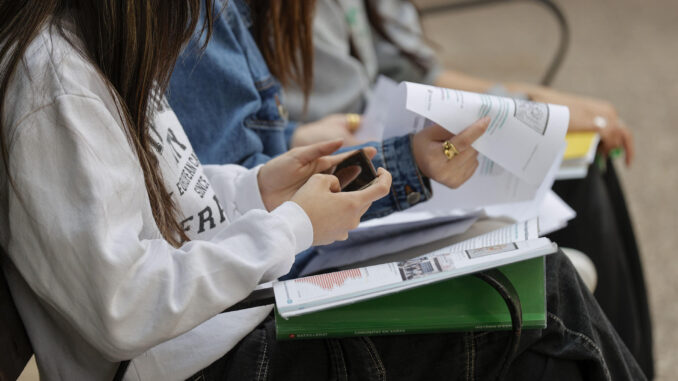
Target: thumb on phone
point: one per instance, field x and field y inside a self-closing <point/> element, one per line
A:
<point x="380" y="188"/>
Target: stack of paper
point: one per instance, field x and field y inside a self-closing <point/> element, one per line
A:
<point x="387" y="235"/>
<point x="521" y="153"/>
<point x="579" y="154"/>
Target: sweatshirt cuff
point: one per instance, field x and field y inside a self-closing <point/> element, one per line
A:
<point x="251" y="198"/>
<point x="298" y="222"/>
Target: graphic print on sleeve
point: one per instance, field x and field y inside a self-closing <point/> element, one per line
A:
<point x="183" y="175"/>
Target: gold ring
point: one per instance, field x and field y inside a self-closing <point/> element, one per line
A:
<point x="449" y="149"/>
<point x="353" y="122"/>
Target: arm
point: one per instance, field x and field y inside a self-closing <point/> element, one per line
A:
<point x="409" y="186"/>
<point x="86" y="243"/>
<point x="401" y="24"/>
<point x="584" y="111"/>
<point x="414" y="159"/>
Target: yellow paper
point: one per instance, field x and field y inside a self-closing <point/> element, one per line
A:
<point x="579" y="144"/>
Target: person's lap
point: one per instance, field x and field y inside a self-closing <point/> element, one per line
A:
<point x="578" y="342"/>
<point x="609" y="242"/>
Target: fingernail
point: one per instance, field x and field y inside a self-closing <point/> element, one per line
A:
<point x="485" y="119"/>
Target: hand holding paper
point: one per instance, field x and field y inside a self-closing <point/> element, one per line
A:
<point x="428" y="153"/>
<point x="518" y="152"/>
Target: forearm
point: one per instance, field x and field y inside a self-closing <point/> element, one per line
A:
<point x="580" y="115"/>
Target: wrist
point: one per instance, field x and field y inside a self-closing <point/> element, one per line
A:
<point x="266" y="194"/>
<point x="410" y="185"/>
<point x="295" y="139"/>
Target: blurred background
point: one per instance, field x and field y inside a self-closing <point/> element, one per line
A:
<point x="624" y="51"/>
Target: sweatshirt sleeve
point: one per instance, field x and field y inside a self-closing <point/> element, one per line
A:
<point x="238" y="184"/>
<point x="83" y="237"/>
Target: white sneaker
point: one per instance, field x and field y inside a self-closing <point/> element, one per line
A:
<point x="585" y="267"/>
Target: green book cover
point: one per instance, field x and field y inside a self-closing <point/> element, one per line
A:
<point x="459" y="304"/>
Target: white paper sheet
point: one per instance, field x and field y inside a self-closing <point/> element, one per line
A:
<point x="524" y="137"/>
<point x="494" y="182"/>
<point x="414" y="217"/>
<point x="521" y="231"/>
<point x="525" y="210"/>
<point x="367" y="247"/>
<point x="554" y="214"/>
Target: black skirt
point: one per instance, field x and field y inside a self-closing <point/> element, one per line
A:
<point x="602" y="230"/>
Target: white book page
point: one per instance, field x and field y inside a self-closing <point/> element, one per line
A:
<point x="521" y="231"/>
<point x="490" y="184"/>
<point x="305" y="295"/>
<point x="384" y="94"/>
<point x="307" y="292"/>
<point x="554" y="214"/>
<point x="524" y="210"/>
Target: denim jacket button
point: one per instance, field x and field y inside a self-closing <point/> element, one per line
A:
<point x="413" y="198"/>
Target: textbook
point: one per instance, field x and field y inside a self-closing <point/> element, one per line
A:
<point x="459" y="304"/>
<point x="361" y="252"/>
<point x="320" y="292"/>
<point x="579" y="154"/>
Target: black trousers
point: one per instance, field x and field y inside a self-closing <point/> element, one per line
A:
<point x="603" y="231"/>
<point x="578" y="344"/>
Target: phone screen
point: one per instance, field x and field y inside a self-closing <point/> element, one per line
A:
<point x="356" y="172"/>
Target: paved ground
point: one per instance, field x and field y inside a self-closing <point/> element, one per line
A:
<point x="625" y="51"/>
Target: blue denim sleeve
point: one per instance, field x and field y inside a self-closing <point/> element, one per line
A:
<point x="226" y="99"/>
<point x="409" y="186"/>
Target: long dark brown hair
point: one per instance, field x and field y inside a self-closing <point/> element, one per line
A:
<point x="283" y="31"/>
<point x="134" y="45"/>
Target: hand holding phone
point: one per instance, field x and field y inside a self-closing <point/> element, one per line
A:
<point x="356" y="172"/>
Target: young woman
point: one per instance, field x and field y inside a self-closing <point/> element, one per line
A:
<point x="231" y="95"/>
<point x="122" y="246"/>
<point x="354" y="41"/>
<point x="227" y="94"/>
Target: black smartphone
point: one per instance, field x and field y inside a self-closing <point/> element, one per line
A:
<point x="356" y="172"/>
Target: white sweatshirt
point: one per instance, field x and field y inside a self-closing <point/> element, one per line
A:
<point x="92" y="278"/>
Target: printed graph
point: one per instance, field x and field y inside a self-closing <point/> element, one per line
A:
<point x="331" y="280"/>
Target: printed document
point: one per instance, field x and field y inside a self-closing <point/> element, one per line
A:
<point x="520" y="152"/>
<point x="304" y="295"/>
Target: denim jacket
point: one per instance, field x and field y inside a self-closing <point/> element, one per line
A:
<point x="231" y="108"/>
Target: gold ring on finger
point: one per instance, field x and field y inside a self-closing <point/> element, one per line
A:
<point x="353" y="122"/>
<point x="449" y="150"/>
